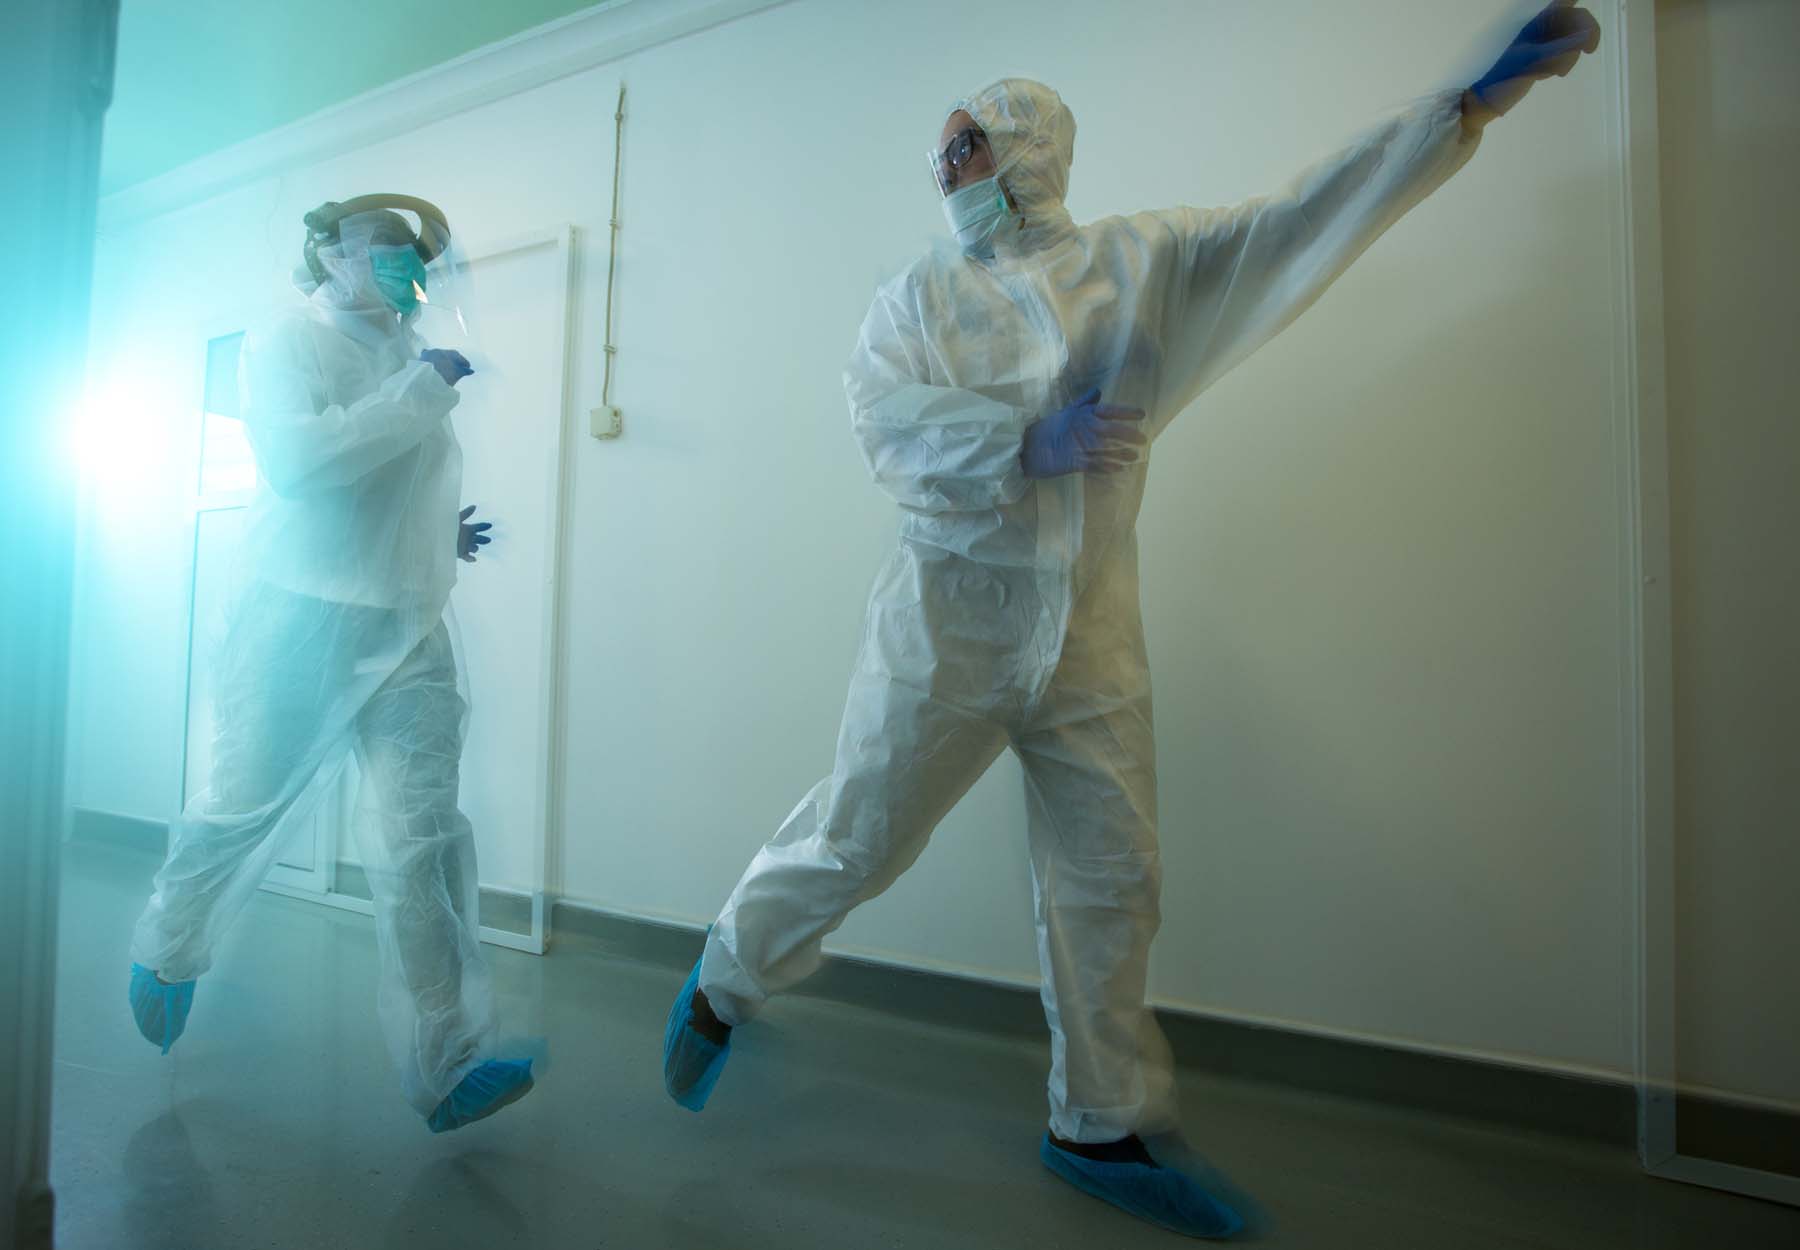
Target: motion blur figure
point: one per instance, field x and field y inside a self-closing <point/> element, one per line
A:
<point x="1006" y="394"/>
<point x="336" y="642"/>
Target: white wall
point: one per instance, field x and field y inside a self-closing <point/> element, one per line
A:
<point x="1730" y="128"/>
<point x="1380" y="560"/>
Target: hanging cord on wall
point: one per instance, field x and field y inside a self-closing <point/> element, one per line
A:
<point x="607" y="421"/>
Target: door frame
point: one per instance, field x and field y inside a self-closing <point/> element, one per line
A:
<point x="321" y="878"/>
<point x="1641" y="439"/>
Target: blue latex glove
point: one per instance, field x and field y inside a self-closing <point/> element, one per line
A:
<point x="471" y="538"/>
<point x="159" y="1007"/>
<point x="1549" y="43"/>
<point x="1086" y="437"/>
<point x="492" y="1085"/>
<point x="1158" y="1195"/>
<point x="691" y="1062"/>
<point x="452" y="366"/>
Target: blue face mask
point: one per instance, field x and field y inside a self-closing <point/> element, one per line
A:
<point x="396" y="273"/>
<point x="975" y="212"/>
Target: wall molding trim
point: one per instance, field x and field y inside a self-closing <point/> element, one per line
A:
<point x="569" y="45"/>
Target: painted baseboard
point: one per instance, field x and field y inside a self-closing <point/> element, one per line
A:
<point x="132" y="833"/>
<point x="1523" y="1097"/>
<point x="1728" y="1131"/>
<point x="500" y="909"/>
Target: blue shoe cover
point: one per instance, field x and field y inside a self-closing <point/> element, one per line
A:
<point x="161" y="1009"/>
<point x="691" y="1063"/>
<point x="492" y="1085"/>
<point x="1162" y="1196"/>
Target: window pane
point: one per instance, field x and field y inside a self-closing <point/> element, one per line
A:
<point x="226" y="462"/>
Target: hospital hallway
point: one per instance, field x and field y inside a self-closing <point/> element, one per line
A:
<point x="275" y="1123"/>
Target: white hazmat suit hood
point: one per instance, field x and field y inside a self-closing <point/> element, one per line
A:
<point x="1032" y="136"/>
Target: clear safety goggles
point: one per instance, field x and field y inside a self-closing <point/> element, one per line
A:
<point x="948" y="161"/>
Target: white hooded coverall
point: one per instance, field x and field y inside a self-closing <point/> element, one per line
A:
<point x="1008" y="614"/>
<point x="337" y="642"/>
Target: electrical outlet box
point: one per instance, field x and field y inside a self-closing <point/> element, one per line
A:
<point x="606" y="422"/>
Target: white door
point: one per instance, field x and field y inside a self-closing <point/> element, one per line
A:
<point x="225" y="480"/>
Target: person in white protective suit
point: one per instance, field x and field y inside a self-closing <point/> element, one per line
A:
<point x="1006" y="396"/>
<point x="336" y="643"/>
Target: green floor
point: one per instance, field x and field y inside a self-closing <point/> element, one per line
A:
<point x="275" y="1123"/>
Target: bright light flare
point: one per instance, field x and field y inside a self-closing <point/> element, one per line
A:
<point x="117" y="438"/>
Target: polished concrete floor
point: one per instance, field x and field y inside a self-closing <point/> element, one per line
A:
<point x="275" y="1123"/>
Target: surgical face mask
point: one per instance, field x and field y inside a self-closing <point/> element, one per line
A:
<point x="975" y="212"/>
<point x="399" y="276"/>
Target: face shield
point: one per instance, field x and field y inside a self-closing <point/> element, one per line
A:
<point x="384" y="264"/>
